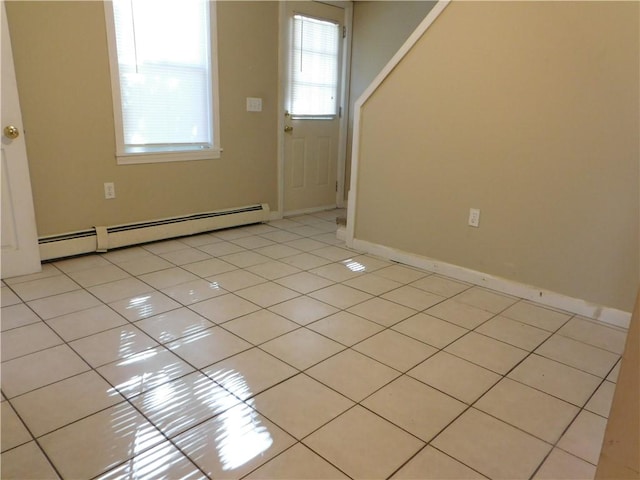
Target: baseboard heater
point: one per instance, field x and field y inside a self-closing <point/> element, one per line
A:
<point x="101" y="239"/>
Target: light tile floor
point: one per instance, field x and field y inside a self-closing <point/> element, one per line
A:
<point x="273" y="351"/>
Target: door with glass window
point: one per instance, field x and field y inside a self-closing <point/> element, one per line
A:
<point x="314" y="35"/>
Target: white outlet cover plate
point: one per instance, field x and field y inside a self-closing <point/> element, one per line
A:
<point x="254" y="104"/>
<point x="474" y="217"/>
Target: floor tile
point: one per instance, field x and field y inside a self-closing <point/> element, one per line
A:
<point x="142" y="371"/>
<point x="236" y="280"/>
<point x="455" y="376"/>
<point x="305" y="244"/>
<point x="62" y="304"/>
<point x="305" y="261"/>
<point x="16" y="316"/>
<point x="345" y="328"/>
<point x="124" y="433"/>
<point x="395" y="350"/>
<point x="8" y="297"/>
<point x="337" y="272"/>
<point x="39" y="369"/>
<point x="112" y="291"/>
<point x="304" y="310"/>
<point x="144" y="305"/>
<point x="600" y="402"/>
<point x="372" y="284"/>
<point x="383" y="312"/>
<point x="208" y="346"/>
<point x="229" y="234"/>
<point x="413" y="297"/>
<point x="84" y="262"/>
<point x="300" y="405"/>
<point x="531" y="410"/>
<point x="578" y="355"/>
<point x="536" y="316"/>
<point x="297" y="462"/>
<point x="363" y="445"/>
<point x="278" y="251"/>
<point x="207" y="268"/>
<point x="253" y="242"/>
<point x="145" y="264"/>
<point x="615" y="371"/>
<point x="224" y="308"/>
<point x="304" y="282"/>
<point x="44" y="287"/>
<point x="485" y="299"/>
<point x="176" y="406"/>
<point x="221" y="248"/>
<point x="200" y="240"/>
<point x="260" y="326"/>
<point x="514" y="333"/>
<point x="584" y="437"/>
<point x="399" y="273"/>
<point x="28" y="339"/>
<point x="66" y="401"/>
<point x="302" y="348"/>
<point x="26" y="461"/>
<point x="183" y="257"/>
<point x="333" y="253"/>
<point x="245" y="259"/>
<point x="460" y="314"/>
<point x="369" y="262"/>
<point x="121" y="255"/>
<point x="98" y="275"/>
<point x="86" y="322"/>
<point x="557" y="379"/>
<point x="233" y="443"/>
<point x="164" y="246"/>
<point x="432" y="464"/>
<point x="13" y="432"/>
<point x="487" y="352"/>
<point x="48" y="270"/>
<point x="172" y="325"/>
<point x="442" y="286"/>
<point x="194" y="291"/>
<point x="353" y="374"/>
<point x="596" y="334"/>
<point x="492" y="447"/>
<point x="267" y="294"/>
<point x="561" y="465"/>
<point x="168" y="278"/>
<point x="414" y="406"/>
<point x="164" y="461"/>
<point x="340" y="296"/>
<point x="111" y="345"/>
<point x="273" y="270"/>
<point x="249" y="373"/>
<point x="430" y="330"/>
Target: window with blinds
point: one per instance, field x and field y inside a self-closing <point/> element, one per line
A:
<point x="313" y="67"/>
<point x="163" y="95"/>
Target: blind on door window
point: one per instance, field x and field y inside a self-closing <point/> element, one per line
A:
<point x="165" y="79"/>
<point x="313" y="67"/>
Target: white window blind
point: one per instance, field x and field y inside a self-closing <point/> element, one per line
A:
<point x="164" y="73"/>
<point x="313" y="67"/>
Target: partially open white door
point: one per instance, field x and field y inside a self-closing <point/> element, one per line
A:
<point x="20" y="252"/>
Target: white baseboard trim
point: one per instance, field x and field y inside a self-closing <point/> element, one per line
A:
<point x="576" y="306"/>
<point x="275" y="216"/>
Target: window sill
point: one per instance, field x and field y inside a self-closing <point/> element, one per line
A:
<point x="138" y="158"/>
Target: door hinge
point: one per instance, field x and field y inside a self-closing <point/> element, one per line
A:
<point x="344" y="32"/>
<point x="339" y="112"/>
<point x="336" y="185"/>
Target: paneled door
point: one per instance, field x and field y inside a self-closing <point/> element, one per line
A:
<point x="314" y="35"/>
<point x="20" y="252"/>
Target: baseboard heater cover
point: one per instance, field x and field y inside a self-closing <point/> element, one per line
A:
<point x="107" y="238"/>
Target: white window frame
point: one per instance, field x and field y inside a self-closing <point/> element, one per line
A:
<point x="179" y="155"/>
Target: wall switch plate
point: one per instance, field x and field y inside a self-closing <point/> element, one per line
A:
<point x="254" y="104"/>
<point x="474" y="217"/>
<point x="109" y="190"/>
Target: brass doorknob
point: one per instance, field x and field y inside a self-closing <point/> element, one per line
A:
<point x="11" y="132"/>
<point x="288" y="128"/>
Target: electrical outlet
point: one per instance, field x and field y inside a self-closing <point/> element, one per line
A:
<point x="109" y="190"/>
<point x="474" y="217"/>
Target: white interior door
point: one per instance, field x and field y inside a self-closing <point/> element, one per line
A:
<point x="20" y="252"/>
<point x="311" y="128"/>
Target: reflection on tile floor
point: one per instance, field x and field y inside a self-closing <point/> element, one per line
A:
<point x="273" y="351"/>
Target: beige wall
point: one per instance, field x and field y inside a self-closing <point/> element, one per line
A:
<point x="62" y="68"/>
<point x="380" y="28"/>
<point x="530" y="112"/>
